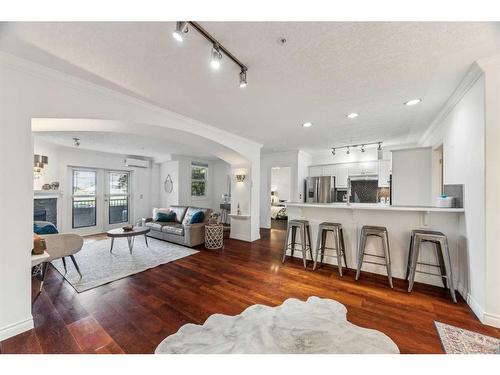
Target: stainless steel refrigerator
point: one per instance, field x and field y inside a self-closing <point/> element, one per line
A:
<point x="320" y="189"/>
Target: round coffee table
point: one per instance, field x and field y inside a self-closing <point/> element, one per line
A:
<point x="129" y="235"/>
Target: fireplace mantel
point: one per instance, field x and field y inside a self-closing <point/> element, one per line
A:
<point x="46" y="194"/>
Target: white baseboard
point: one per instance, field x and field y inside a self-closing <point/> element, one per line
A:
<point x="475" y="307"/>
<point x="16" y="328"/>
<point x="491" y="320"/>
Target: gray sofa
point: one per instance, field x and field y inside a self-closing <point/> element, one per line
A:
<point x="180" y="231"/>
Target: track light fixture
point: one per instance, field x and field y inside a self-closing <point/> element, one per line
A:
<point x="181" y="28"/>
<point x="216" y="57"/>
<point x="362" y="148"/>
<point x="76" y="142"/>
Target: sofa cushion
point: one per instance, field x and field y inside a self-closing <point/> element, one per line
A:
<point x="191" y="211"/>
<point x="180" y="211"/>
<point x="154" y="225"/>
<point x="173" y="228"/>
<point x="165" y="217"/>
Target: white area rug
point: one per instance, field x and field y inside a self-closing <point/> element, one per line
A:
<point x="315" y="326"/>
<point x="99" y="266"/>
<point x="462" y="341"/>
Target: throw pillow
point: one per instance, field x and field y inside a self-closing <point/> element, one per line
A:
<point x="197" y="217"/>
<point x="165" y="217"/>
<point x="46" y="229"/>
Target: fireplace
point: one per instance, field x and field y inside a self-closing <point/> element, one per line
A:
<point x="45" y="209"/>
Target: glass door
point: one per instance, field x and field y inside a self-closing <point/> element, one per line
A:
<point x="84" y="199"/>
<point x="117" y="199"/>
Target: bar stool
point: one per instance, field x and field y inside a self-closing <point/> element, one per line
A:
<point x="338" y="239"/>
<point x="440" y="242"/>
<point x="305" y="238"/>
<point x="381" y="232"/>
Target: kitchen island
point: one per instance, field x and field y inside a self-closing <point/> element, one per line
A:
<point x="399" y="221"/>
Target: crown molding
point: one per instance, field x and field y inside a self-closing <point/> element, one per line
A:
<point x="37" y="70"/>
<point x="467" y="82"/>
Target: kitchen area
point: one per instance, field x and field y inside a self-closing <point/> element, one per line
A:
<point x="400" y="190"/>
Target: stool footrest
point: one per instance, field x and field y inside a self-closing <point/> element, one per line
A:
<point x="379" y="264"/>
<point x="375" y="255"/>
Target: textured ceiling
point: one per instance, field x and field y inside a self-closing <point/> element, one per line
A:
<point x="324" y="71"/>
<point x="119" y="143"/>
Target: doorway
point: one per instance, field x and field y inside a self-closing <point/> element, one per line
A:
<point x="281" y="186"/>
<point x="100" y="200"/>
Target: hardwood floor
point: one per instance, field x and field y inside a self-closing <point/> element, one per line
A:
<point x="134" y="314"/>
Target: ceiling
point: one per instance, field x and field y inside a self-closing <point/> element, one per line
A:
<point x="121" y="143"/>
<point x="323" y="71"/>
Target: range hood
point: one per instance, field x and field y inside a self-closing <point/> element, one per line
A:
<point x="363" y="177"/>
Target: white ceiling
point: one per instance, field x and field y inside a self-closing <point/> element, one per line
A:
<point x="324" y="71"/>
<point x="121" y="143"/>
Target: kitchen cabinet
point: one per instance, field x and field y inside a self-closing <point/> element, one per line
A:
<point x="384" y="172"/>
<point x="365" y="168"/>
<point x="315" y="171"/>
<point x="342" y="172"/>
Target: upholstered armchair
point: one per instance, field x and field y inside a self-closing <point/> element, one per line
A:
<point x="62" y="245"/>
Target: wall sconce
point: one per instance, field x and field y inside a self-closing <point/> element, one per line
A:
<point x="240" y="177"/>
<point x="39" y="162"/>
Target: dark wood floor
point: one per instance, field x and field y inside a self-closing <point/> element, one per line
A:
<point x="135" y="314"/>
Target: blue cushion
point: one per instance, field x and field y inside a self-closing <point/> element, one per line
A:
<point x="165" y="217"/>
<point x="46" y="229"/>
<point x="197" y="217"/>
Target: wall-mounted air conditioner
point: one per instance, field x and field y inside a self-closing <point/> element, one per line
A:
<point x="130" y="162"/>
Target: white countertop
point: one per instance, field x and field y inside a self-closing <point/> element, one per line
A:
<point x="373" y="206"/>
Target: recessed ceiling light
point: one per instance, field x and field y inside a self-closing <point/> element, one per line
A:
<point x="413" y="101"/>
<point x="352" y="115"/>
<point x="307" y="124"/>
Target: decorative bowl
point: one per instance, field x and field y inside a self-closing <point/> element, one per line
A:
<point x="128" y="228"/>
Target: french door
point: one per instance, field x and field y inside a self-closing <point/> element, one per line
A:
<point x="100" y="200"/>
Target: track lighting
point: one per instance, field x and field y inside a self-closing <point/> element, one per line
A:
<point x="362" y="148"/>
<point x="76" y="142"/>
<point x="216" y="57"/>
<point x="243" y="78"/>
<point x="180" y="28"/>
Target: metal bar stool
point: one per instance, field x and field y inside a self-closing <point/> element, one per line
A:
<point x="440" y="242"/>
<point x="338" y="240"/>
<point x="305" y="238"/>
<point x="380" y="232"/>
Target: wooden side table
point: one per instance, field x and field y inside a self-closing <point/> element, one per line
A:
<point x="214" y="236"/>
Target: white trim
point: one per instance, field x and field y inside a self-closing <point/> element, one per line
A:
<point x="467" y="82"/>
<point x="16" y="328"/>
<point x="475" y="307"/>
<point x="241" y="237"/>
<point x="491" y="320"/>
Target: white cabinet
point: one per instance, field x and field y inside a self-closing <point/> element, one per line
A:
<point x="315" y="171"/>
<point x="384" y="172"/>
<point x="329" y="170"/>
<point x="365" y="168"/>
<point x="342" y="172"/>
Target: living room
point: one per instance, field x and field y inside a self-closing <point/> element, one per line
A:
<point x="250" y="187"/>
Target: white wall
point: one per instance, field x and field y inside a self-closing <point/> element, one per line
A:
<point x="58" y="169"/>
<point x="412" y="177"/>
<point x="180" y="171"/>
<point x="462" y="133"/>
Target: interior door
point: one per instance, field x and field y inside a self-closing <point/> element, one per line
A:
<point x="116" y="199"/>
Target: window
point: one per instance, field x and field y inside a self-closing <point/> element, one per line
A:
<point x="199" y="174"/>
<point x="84" y="198"/>
<point x="118" y="197"/>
